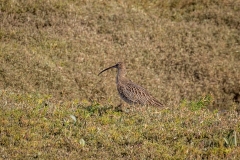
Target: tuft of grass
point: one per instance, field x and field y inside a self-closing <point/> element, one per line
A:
<point x="203" y="103"/>
<point x="231" y="138"/>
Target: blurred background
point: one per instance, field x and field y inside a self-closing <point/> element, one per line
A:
<point x="177" y="49"/>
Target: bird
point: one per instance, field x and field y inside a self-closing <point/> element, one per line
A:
<point x="129" y="91"/>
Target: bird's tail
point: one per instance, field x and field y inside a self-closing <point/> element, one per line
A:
<point x="156" y="103"/>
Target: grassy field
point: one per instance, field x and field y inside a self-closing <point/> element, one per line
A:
<point x="54" y="106"/>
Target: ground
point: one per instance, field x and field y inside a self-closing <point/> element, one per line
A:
<point x="184" y="52"/>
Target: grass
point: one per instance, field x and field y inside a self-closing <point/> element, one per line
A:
<point x="53" y="104"/>
<point x="176" y="49"/>
<point x="36" y="127"/>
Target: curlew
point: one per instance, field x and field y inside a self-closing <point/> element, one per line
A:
<point x="131" y="92"/>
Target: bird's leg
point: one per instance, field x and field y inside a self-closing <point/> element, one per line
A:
<point x="123" y="107"/>
<point x="119" y="107"/>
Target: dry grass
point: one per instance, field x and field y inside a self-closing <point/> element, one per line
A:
<point x="177" y="49"/>
<point x="183" y="51"/>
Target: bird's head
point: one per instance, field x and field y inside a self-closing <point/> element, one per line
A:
<point x="119" y="66"/>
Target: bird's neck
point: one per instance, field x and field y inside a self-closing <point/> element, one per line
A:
<point x="120" y="75"/>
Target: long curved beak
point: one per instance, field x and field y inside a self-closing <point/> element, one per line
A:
<point x="115" y="66"/>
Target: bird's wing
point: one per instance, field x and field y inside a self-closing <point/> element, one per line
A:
<point x="134" y="93"/>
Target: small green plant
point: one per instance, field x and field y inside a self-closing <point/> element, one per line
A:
<point x="231" y="139"/>
<point x="204" y="102"/>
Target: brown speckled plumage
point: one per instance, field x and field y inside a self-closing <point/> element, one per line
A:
<point x="131" y="92"/>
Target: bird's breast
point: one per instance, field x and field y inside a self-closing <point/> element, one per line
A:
<point x="125" y="94"/>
